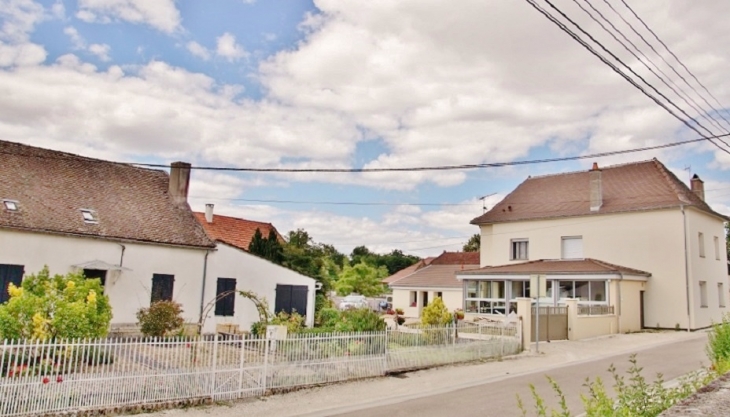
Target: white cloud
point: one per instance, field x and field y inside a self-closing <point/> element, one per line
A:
<point x="101" y="51"/>
<point x="198" y="50"/>
<point x="76" y="39"/>
<point x="227" y="48"/>
<point x="160" y="14"/>
<point x="25" y="54"/>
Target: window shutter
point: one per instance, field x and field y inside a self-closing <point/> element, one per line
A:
<point x="162" y="286"/>
<point x="572" y="248"/>
<point x="9" y="274"/>
<point x="290" y="298"/>
<point x="283" y="299"/>
<point x="225" y="306"/>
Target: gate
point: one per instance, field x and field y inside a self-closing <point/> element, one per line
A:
<point x="553" y="323"/>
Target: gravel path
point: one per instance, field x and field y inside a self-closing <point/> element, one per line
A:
<point x="314" y="401"/>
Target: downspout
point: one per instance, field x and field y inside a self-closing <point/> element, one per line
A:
<point x="202" y="292"/>
<point x="121" y="259"/>
<point x="620" y="300"/>
<point x="686" y="267"/>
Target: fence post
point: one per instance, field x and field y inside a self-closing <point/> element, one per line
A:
<point x="385" y="352"/>
<point x="214" y="367"/>
<point x="243" y="360"/>
<point x="265" y="373"/>
<point x="501" y="339"/>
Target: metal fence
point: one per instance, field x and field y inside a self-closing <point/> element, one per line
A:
<point x="595" y="310"/>
<point x="75" y="376"/>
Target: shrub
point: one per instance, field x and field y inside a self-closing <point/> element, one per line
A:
<point x="718" y="343"/>
<point x="59" y="306"/>
<point x="359" y="320"/>
<point x="328" y="318"/>
<point x="436" y="314"/>
<point x="160" y="318"/>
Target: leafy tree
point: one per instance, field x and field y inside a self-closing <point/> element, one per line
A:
<point x="473" y="244"/>
<point x="49" y="307"/>
<point x="160" y="318"/>
<point x="436" y="314"/>
<point x="361" y="278"/>
<point x="267" y="247"/>
<point x="393" y="261"/>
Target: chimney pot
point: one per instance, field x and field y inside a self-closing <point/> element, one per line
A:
<point x="596" y="188"/>
<point x="179" y="182"/>
<point x="698" y="187"/>
<point x="209" y="212"/>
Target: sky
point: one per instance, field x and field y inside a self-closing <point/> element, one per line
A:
<point x="357" y="84"/>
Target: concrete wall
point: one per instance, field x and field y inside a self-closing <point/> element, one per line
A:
<point x="709" y="268"/>
<point x="650" y="241"/>
<point x="128" y="291"/>
<point x="453" y="298"/>
<point x="629" y="305"/>
<point x="252" y="274"/>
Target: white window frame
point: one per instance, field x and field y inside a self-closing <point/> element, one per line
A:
<point x="721" y="294"/>
<point x="562" y="246"/>
<point x="515" y="252"/>
<point x="590" y="301"/>
<point x="703" y="294"/>
<point x="701" y="240"/>
<point x="89" y="216"/>
<point x="717" y="247"/>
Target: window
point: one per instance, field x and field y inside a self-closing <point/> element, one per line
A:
<point x="486" y="297"/>
<point x="96" y="273"/>
<point x="225" y="306"/>
<point x="572" y="247"/>
<point x="162" y="285"/>
<point x="412" y="299"/>
<point x="703" y="294"/>
<point x="291" y="298"/>
<point x="519" y="249"/>
<point x="440" y="295"/>
<point x="10" y="205"/>
<point x="701" y="238"/>
<point x="89" y="216"/>
<point x="9" y="274"/>
<point x="721" y="294"/>
<point x="587" y="292"/>
<point x="717" y="247"/>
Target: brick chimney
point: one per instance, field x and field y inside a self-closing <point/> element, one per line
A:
<point x="596" y="187"/>
<point x="209" y="213"/>
<point x="179" y="182"/>
<point x="698" y="187"/>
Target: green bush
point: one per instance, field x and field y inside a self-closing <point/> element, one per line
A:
<point x="359" y="320"/>
<point x="160" y="318"/>
<point x="328" y="318"/>
<point x="60" y="306"/>
<point x="436" y="314"/>
<point x="718" y="344"/>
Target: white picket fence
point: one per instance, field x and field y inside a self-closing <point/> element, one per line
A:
<point x="78" y="376"/>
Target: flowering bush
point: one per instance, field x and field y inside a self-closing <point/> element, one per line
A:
<point x="436" y="313"/>
<point x="61" y="306"/>
<point x="160" y="318"/>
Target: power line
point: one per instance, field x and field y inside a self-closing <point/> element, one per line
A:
<point x="673" y="55"/>
<point x="603" y="59"/>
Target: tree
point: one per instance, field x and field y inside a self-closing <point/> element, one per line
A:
<point x="393" y="261"/>
<point x="361" y="278"/>
<point x="436" y="314"/>
<point x="267" y="247"/>
<point x="49" y="307"/>
<point x="473" y="244"/>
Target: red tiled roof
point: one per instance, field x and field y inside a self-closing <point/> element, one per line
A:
<point x="442" y="271"/>
<point x="131" y="203"/>
<point x="646" y="185"/>
<point x="235" y="231"/>
<point x="586" y="266"/>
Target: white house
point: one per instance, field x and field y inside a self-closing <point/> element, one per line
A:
<point x="232" y="267"/>
<point x="129" y="226"/>
<point x="630" y="240"/>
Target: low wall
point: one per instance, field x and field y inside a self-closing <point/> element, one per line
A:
<point x="583" y="327"/>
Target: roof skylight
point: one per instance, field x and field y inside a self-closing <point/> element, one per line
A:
<point x="10" y="205"/>
<point x="89" y="216"/>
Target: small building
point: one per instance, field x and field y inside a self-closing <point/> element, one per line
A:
<point x="415" y="290"/>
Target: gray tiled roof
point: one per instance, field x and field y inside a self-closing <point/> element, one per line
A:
<point x="646" y="185"/>
<point x="442" y="271"/>
<point x="131" y="203"/>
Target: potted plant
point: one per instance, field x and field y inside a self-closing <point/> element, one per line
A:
<point x="459" y="314"/>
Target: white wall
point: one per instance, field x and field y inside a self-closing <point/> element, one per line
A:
<point x="453" y="298"/>
<point x="252" y="274"/>
<point x="651" y="241"/>
<point x="128" y="291"/>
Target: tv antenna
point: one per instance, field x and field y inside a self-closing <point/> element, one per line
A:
<point x="484" y="205"/>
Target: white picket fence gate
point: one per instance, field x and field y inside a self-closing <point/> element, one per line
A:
<point x="80" y="376"/>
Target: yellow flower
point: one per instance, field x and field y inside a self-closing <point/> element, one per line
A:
<point x="91" y="298"/>
<point x="39" y="326"/>
<point x="14" y="291"/>
<point x="70" y="284"/>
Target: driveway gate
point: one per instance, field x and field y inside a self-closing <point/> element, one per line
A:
<point x="553" y="323"/>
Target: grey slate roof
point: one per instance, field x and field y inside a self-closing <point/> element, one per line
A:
<point x="131" y="203"/>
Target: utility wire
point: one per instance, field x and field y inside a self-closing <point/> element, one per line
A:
<point x="605" y="60"/>
<point x="664" y="78"/>
<point x="720" y="113"/>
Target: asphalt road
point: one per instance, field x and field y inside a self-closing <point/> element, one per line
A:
<point x="498" y="397"/>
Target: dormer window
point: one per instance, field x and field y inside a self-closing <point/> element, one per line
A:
<point x="10" y="205"/>
<point x="89" y="216"/>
